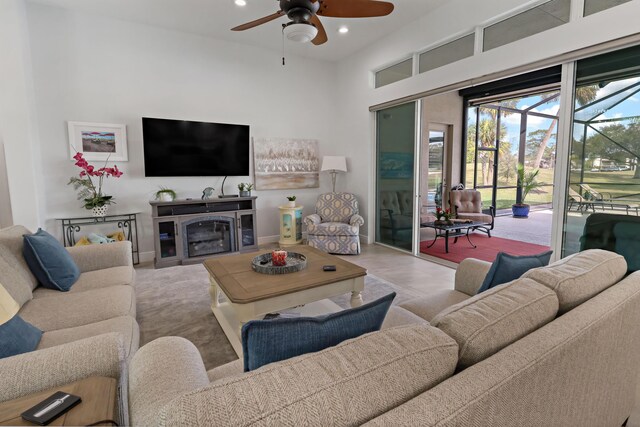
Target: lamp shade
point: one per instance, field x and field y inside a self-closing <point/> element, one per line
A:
<point x="8" y="306"/>
<point x="334" y="163"/>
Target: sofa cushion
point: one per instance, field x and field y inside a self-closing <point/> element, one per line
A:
<point x="476" y="217"/>
<point x="16" y="335"/>
<point x="333" y="229"/>
<point x="488" y="322"/>
<point x="114" y="276"/>
<point x="398" y="316"/>
<point x="11" y="247"/>
<point x="579" y="277"/>
<point x="68" y="310"/>
<point x="126" y="326"/>
<point x="429" y="306"/>
<point x="348" y="384"/>
<point x="508" y="267"/>
<point x="13" y="279"/>
<point x="268" y="341"/>
<point x="49" y="261"/>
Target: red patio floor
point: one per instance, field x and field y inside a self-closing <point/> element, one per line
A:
<point x="487" y="248"/>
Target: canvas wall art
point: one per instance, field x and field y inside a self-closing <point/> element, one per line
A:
<point x="98" y="141"/>
<point x="396" y="165"/>
<point x="281" y="163"/>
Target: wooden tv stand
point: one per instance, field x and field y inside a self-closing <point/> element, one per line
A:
<point x="190" y="231"/>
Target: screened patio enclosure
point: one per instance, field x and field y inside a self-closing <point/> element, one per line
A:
<point x="503" y="133"/>
<point x="606" y="148"/>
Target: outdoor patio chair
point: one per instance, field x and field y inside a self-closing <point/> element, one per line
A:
<point x="467" y="204"/>
<point x="607" y="200"/>
<point x="579" y="202"/>
<point x="591" y="194"/>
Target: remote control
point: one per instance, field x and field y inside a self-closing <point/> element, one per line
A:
<point x="329" y="268"/>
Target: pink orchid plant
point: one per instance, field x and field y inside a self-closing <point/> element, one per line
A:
<point x="86" y="186"/>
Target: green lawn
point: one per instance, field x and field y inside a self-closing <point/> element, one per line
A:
<point x="620" y="184"/>
<point x="507" y="197"/>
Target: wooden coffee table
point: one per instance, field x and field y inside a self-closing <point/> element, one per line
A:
<point x="251" y="295"/>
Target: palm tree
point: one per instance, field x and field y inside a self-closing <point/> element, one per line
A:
<point x="584" y="95"/>
<point x="487" y="137"/>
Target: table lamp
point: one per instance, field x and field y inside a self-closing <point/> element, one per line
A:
<point x="334" y="164"/>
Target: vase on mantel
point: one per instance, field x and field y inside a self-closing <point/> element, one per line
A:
<point x="99" y="211"/>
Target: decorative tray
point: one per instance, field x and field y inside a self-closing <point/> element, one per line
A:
<point x="263" y="264"/>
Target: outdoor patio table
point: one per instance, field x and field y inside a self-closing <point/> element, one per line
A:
<point x="455" y="230"/>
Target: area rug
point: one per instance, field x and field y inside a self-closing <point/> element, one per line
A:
<point x="487" y="248"/>
<point x="175" y="301"/>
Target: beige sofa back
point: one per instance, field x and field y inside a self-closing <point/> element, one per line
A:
<point x="16" y="276"/>
<point x="581" y="369"/>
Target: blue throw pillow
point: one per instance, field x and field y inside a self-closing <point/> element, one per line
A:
<point x="268" y="341"/>
<point x="510" y="267"/>
<point x="17" y="337"/>
<point x="49" y="261"/>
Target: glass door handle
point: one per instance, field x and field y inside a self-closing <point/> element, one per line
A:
<point x="175" y="227"/>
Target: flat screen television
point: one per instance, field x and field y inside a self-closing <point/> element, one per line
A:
<point x="184" y="148"/>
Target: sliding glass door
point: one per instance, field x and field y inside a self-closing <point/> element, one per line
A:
<point x="395" y="188"/>
<point x="604" y="174"/>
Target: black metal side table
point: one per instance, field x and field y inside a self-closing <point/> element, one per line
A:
<point x="126" y="222"/>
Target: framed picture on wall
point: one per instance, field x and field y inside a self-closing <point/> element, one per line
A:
<point x="98" y="141"/>
<point x="396" y="165"/>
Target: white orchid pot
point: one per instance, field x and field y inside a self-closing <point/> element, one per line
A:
<point x="291" y="204"/>
<point x="100" y="211"/>
<point x="166" y="197"/>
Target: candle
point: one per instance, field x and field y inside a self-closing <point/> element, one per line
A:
<point x="279" y="258"/>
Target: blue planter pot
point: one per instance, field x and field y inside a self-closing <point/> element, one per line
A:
<point x="520" y="211"/>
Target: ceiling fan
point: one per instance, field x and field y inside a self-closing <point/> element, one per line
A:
<point x="305" y="23"/>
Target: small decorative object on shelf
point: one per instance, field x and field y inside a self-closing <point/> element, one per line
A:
<point x="245" y="189"/>
<point x="207" y="193"/>
<point x="443" y="217"/>
<point x="90" y="191"/>
<point x="292" y="201"/>
<point x="166" y="195"/>
<point x="279" y="258"/>
<point x="293" y="262"/>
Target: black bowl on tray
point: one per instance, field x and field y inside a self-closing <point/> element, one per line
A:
<point x="263" y="264"/>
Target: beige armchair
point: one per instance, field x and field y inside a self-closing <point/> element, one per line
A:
<point x="467" y="204"/>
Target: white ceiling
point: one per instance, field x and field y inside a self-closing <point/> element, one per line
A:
<point x="215" y="18"/>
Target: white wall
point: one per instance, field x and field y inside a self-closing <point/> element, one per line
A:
<point x="96" y="69"/>
<point x="356" y="92"/>
<point x="19" y="186"/>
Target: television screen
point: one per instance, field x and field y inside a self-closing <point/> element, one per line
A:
<point x="184" y="148"/>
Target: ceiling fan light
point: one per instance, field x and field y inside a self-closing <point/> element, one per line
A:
<point x="300" y="32"/>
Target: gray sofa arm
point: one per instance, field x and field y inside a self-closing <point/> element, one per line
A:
<point x="99" y="257"/>
<point x="470" y="275"/>
<point x="159" y="372"/>
<point x="28" y="373"/>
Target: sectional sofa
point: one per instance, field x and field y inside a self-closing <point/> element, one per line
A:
<point x="89" y="331"/>
<point x="559" y="346"/>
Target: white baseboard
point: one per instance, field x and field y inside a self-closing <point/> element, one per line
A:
<point x="263" y="240"/>
<point x="147" y="256"/>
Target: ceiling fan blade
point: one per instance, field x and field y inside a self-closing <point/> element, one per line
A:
<point x="354" y="8"/>
<point x="257" y="22"/>
<point x="321" y="38"/>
